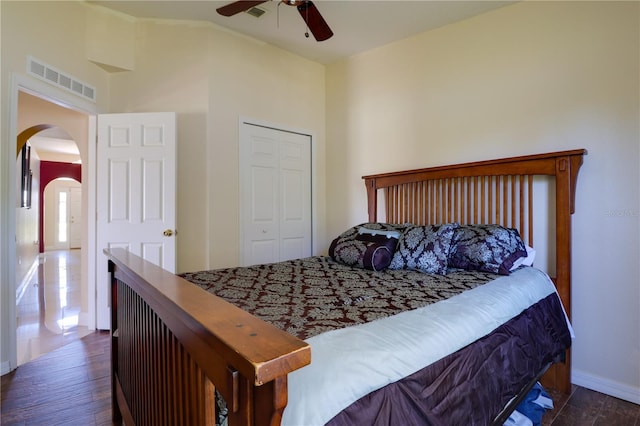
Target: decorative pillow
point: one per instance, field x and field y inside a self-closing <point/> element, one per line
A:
<point x="424" y="248"/>
<point x="525" y="261"/>
<point x="368" y="246"/>
<point x="487" y="248"/>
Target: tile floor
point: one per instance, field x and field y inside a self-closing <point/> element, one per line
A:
<point x="48" y="310"/>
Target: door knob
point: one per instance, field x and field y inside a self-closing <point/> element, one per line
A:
<point x="168" y="232"/>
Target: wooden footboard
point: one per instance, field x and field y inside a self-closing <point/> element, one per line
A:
<point x="173" y="344"/>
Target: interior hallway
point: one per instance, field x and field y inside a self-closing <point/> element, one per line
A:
<point x="47" y="312"/>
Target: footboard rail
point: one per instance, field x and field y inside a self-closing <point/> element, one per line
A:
<point x="174" y="345"/>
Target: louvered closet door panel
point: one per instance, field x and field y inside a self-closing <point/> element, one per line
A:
<point x="295" y="197"/>
<point x="275" y="180"/>
<point x="262" y="224"/>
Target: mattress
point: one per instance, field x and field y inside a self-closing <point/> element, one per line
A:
<point x="371" y="332"/>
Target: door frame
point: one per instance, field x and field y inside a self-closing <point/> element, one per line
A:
<point x="35" y="87"/>
<point x="314" y="178"/>
<point x="73" y="189"/>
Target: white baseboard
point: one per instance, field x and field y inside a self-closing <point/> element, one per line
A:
<point x="609" y="387"/>
<point x="5" y="368"/>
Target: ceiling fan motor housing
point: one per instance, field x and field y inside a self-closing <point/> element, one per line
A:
<point x="308" y="11"/>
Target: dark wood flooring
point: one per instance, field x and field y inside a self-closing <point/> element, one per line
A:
<point x="71" y="386"/>
<point x="585" y="407"/>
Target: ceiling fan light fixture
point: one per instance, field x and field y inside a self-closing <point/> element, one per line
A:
<point x="256" y="12"/>
<point x="308" y="11"/>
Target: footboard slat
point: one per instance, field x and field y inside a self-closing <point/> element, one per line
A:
<point x="171" y="341"/>
<point x="144" y="343"/>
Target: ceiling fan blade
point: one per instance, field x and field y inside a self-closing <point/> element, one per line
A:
<point x="237" y="7"/>
<point x="316" y="23"/>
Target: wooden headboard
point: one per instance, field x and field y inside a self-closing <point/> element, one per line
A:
<point x="491" y="192"/>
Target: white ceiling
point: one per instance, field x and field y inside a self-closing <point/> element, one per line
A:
<point x="358" y="25"/>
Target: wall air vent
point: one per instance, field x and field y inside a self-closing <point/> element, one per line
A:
<point x="256" y="12"/>
<point x="60" y="79"/>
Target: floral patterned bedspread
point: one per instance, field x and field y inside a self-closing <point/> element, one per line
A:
<point x="306" y="297"/>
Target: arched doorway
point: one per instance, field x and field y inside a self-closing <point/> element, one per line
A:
<point x="61" y="215"/>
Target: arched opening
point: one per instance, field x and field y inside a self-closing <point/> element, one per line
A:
<point x="52" y="154"/>
<point x="61" y="216"/>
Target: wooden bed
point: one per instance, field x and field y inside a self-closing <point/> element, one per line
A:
<point x="180" y="340"/>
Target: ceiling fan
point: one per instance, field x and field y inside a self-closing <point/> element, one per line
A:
<point x="309" y="12"/>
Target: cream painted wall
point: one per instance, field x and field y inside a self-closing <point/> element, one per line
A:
<point x="27" y="221"/>
<point x="528" y="78"/>
<point x="211" y="78"/>
<point x="257" y="81"/>
<point x="108" y="39"/>
<point x="53" y="32"/>
<point x="171" y="75"/>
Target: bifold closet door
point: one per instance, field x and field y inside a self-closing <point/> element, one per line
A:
<point x="275" y="192"/>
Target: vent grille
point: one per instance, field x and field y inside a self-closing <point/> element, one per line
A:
<point x="60" y="79"/>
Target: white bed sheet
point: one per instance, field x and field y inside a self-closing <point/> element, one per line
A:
<point x="349" y="363"/>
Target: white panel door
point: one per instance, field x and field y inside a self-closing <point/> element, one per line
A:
<point x="75" y="217"/>
<point x="261" y="198"/>
<point x="135" y="193"/>
<point x="275" y="180"/>
<point x="295" y="196"/>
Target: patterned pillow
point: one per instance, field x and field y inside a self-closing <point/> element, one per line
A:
<point x="424" y="248"/>
<point x="368" y="246"/>
<point x="486" y="248"/>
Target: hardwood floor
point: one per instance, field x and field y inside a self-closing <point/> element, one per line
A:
<point x="71" y="386"/>
<point x="585" y="407"/>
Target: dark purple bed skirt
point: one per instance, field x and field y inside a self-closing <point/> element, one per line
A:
<point x="472" y="385"/>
